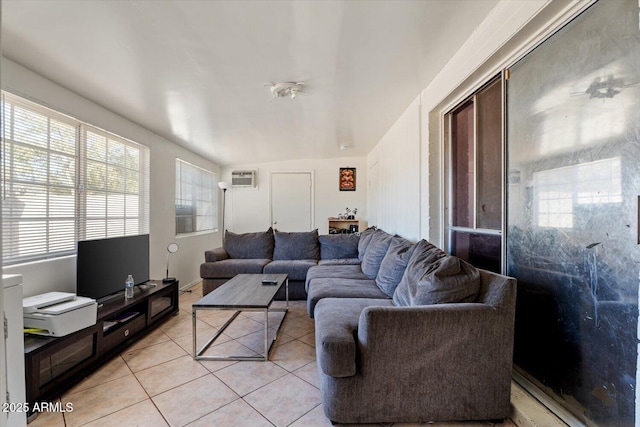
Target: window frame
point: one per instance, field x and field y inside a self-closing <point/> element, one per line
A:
<point x="197" y="216"/>
<point x="23" y="243"/>
<point x="449" y="229"/>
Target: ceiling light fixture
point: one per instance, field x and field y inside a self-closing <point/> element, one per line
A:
<point x="287" y="89"/>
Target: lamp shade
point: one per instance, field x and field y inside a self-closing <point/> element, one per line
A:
<point x="223" y="185"/>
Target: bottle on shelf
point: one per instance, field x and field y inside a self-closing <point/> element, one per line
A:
<point x="128" y="287"/>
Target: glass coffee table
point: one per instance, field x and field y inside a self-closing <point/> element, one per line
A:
<point x="245" y="292"/>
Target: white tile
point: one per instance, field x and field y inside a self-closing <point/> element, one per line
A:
<point x="96" y="402"/>
<point x="143" y="414"/>
<point x="234" y="414"/>
<point x="309" y="373"/>
<point x="168" y="375"/>
<point x="245" y="377"/>
<point x="288" y="392"/>
<point x="152" y="355"/>
<point x="194" y="400"/>
<point x="293" y="355"/>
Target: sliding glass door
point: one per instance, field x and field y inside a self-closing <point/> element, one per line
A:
<point x="573" y="192"/>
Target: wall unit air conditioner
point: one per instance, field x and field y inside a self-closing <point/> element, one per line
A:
<point x="243" y="178"/>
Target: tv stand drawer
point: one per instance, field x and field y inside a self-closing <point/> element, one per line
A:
<point x="121" y="333"/>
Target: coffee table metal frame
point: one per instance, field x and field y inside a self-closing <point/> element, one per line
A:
<point x="240" y="307"/>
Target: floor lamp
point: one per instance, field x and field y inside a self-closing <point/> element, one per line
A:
<point x="223" y="186"/>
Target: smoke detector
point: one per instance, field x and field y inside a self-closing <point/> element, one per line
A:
<point x="287" y="90"/>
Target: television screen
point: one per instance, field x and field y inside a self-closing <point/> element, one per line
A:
<point x="104" y="264"/>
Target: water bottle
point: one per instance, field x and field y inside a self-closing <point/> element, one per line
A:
<point x="128" y="287"/>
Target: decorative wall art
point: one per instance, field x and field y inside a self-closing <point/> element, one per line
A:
<point x="347" y="179"/>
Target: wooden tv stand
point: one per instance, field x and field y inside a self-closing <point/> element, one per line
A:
<point x="54" y="365"/>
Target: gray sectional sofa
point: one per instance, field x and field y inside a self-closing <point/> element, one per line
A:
<point x="276" y="252"/>
<point x="404" y="331"/>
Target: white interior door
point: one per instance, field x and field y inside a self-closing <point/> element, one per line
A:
<point x="292" y="201"/>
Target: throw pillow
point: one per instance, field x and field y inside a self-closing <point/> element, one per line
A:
<point x="365" y="238"/>
<point x="446" y="279"/>
<point x="393" y="264"/>
<point x="376" y="250"/>
<point x="338" y="246"/>
<point x="249" y="245"/>
<point x="296" y="245"/>
<point x="423" y="256"/>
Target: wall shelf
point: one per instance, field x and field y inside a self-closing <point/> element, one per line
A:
<point x="340" y="226"/>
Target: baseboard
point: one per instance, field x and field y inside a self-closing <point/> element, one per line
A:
<point x="527" y="411"/>
<point x="189" y="285"/>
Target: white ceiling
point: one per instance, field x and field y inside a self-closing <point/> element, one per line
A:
<point x="195" y="71"/>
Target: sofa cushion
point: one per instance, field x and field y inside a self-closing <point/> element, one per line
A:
<point x="336" y="325"/>
<point x="341" y="288"/>
<point x="296" y="245"/>
<point x="296" y="268"/>
<point x="376" y="250"/>
<point x="229" y="268"/>
<point x="423" y="256"/>
<point x="394" y="264"/>
<point x="347" y="271"/>
<point x="249" y="245"/>
<point x="340" y="261"/>
<point x="440" y="279"/>
<point x="365" y="239"/>
<point x="338" y="246"/>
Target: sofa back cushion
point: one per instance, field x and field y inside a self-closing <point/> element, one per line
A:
<point x="433" y="277"/>
<point x="296" y="245"/>
<point x="375" y="252"/>
<point x="365" y="239"/>
<point x="394" y="264"/>
<point x="338" y="246"/>
<point x="249" y="245"/>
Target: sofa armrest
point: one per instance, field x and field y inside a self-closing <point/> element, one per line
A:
<point x="336" y="322"/>
<point x="217" y="254"/>
<point x="448" y="346"/>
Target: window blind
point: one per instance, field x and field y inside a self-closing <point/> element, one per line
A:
<point x="64" y="180"/>
<point x="196" y="199"/>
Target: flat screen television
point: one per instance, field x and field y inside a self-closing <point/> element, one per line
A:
<point x="104" y="264"/>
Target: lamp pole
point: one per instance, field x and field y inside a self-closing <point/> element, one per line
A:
<point x="223" y="186"/>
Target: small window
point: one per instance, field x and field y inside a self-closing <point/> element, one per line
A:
<point x="196" y="199"/>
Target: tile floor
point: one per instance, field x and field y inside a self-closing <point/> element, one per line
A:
<point x="156" y="382"/>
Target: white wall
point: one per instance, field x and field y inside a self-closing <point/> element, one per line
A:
<point x="394" y="168"/>
<point x="60" y="274"/>
<point x="247" y="209"/>
<point x="408" y="159"/>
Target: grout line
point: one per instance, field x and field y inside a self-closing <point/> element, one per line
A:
<point x="152" y="402"/>
<point x="305" y="414"/>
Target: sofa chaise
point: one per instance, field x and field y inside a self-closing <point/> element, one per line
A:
<point x="414" y="335"/>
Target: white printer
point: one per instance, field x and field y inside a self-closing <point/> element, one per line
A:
<point x="58" y="313"/>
